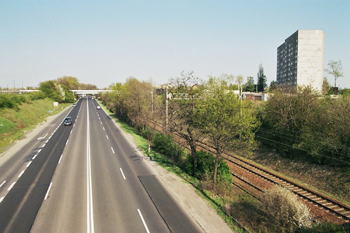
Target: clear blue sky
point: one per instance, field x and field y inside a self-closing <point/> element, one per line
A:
<point x="103" y="42"/>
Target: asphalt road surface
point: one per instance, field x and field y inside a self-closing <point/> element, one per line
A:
<point x="86" y="177"/>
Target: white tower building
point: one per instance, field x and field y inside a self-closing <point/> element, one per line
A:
<point x="300" y="59"/>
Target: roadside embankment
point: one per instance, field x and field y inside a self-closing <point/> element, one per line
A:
<point x="16" y="122"/>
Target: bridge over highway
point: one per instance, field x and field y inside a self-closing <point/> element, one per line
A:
<point x="77" y="92"/>
<point x="89" y="92"/>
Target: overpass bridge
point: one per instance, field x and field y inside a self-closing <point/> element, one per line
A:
<point x="77" y="92"/>
<point x="89" y="92"/>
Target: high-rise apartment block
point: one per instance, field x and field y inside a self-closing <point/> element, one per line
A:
<point x="300" y="59"/>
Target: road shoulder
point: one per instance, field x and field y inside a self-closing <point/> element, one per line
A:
<point x="194" y="205"/>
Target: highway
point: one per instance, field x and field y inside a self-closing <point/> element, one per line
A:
<point x="87" y="177"/>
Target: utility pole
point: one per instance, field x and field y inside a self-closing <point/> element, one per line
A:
<point x="240" y="113"/>
<point x="166" y="110"/>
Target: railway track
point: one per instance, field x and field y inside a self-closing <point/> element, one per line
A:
<point x="318" y="199"/>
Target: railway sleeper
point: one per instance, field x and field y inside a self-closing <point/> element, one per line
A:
<point x="303" y="192"/>
<point x="327" y="204"/>
<point x="309" y="195"/>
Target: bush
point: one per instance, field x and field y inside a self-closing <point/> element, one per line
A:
<point x="284" y="210"/>
<point x="13" y="100"/>
<point x="164" y="144"/>
<point x="5" y="101"/>
<point x="147" y="133"/>
<point x="322" y="228"/>
<point x="205" y="168"/>
<point x="37" y="95"/>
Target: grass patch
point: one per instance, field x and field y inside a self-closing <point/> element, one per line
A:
<point x="6" y="125"/>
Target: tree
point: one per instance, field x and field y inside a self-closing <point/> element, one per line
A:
<point x="250" y="85"/>
<point x="335" y="68"/>
<point x="70" y="82"/>
<point x="53" y="90"/>
<point x="286" y="115"/>
<point x="138" y="100"/>
<point x="325" y="86"/>
<point x="223" y="121"/>
<point x="185" y="96"/>
<point x="83" y="86"/>
<point x="273" y="86"/>
<point x="262" y="81"/>
<point x="115" y="101"/>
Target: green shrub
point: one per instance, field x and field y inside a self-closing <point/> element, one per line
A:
<point x="37" y="95"/>
<point x="147" y="133"/>
<point x="205" y="168"/>
<point x="322" y="228"/>
<point x="164" y="144"/>
<point x="13" y="100"/>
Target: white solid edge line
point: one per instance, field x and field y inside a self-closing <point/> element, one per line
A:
<point x="90" y="213"/>
<point x="29" y="163"/>
<point x="13" y="184"/>
<point x="1" y="198"/>
<point x="2" y="183"/>
<point x="143" y="221"/>
<point x="122" y="173"/>
<point x="47" y="193"/>
<point x="21" y="174"/>
<point x="67" y="141"/>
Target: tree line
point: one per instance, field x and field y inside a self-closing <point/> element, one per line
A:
<point x="58" y="90"/>
<point x="295" y="122"/>
<point x="300" y="122"/>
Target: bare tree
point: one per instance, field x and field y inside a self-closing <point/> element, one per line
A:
<point x="335" y="68"/>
